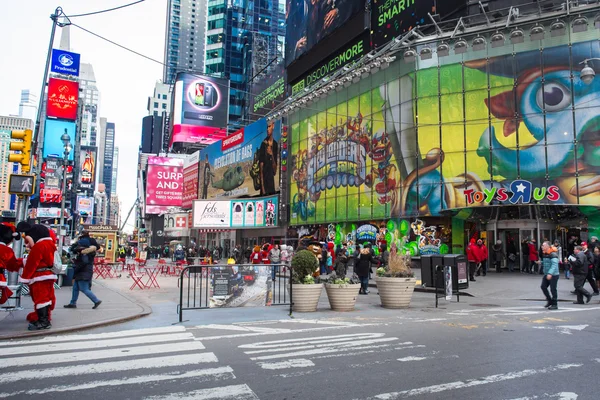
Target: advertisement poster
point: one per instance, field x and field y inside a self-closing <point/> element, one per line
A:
<point x="85" y="208"/>
<point x="53" y="131"/>
<point x="63" y="96"/>
<point x="190" y="179"/>
<point x="176" y="225"/>
<point x="356" y="160"/>
<point x="50" y="196"/>
<point x="232" y="168"/>
<point x="200" y="109"/>
<point x="267" y="91"/>
<point x="393" y="18"/>
<point x="253" y="213"/>
<point x="87" y="168"/>
<point x="51" y="174"/>
<point x="164" y="184"/>
<point x="307" y="22"/>
<point x="64" y="62"/>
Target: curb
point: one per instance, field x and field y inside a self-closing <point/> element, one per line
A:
<point x="423" y="289"/>
<point x="146" y="310"/>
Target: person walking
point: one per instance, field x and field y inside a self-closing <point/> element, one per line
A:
<point x="551" y="274"/>
<point x="482" y="257"/>
<point x="511" y="257"/>
<point x="597" y="265"/>
<point x="578" y="265"/>
<point x="589" y="261"/>
<point x="362" y="267"/>
<point x="498" y="255"/>
<point x="85" y="248"/>
<point x="472" y="258"/>
<point x="524" y="257"/>
<point x="533" y="257"/>
<point x="275" y="258"/>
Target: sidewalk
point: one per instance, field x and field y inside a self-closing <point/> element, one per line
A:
<point x="116" y="307"/>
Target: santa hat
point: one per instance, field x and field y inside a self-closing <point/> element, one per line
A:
<point x="36" y="232"/>
<point x="8" y="233"/>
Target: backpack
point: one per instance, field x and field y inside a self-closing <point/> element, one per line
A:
<point x="57" y="265"/>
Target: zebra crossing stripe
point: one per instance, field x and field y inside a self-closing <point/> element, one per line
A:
<point x="89" y="345"/>
<point x="111" y="366"/>
<point x="99" y="336"/>
<point x="237" y="392"/>
<point x="102" y="354"/>
<point x="200" y="375"/>
<point x="311" y="340"/>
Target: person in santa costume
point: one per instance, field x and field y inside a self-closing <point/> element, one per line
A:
<point x="8" y="261"/>
<point x="37" y="273"/>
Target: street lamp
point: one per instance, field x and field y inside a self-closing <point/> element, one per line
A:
<point x="66" y="140"/>
<point x="587" y="73"/>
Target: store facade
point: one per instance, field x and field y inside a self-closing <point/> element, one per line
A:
<point x="502" y="142"/>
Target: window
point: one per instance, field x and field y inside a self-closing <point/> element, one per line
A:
<point x="164" y="96"/>
<point x="155" y="104"/>
<point x="164" y="106"/>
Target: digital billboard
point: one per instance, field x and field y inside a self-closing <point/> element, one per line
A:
<point x="247" y="213"/>
<point x="51" y="173"/>
<point x="53" y="131"/>
<point x="63" y="96"/>
<point x="267" y="91"/>
<point x="246" y="163"/>
<point x="200" y="109"/>
<point x="65" y="62"/>
<point x="513" y="129"/>
<point x="85" y="208"/>
<point x="308" y="22"/>
<point x="87" y="167"/>
<point x="164" y="184"/>
<point x="392" y="18"/>
<point x="190" y="180"/>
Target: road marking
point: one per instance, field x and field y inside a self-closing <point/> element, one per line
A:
<point x="559" y="396"/>
<point x="200" y="375"/>
<point x="243" y="328"/>
<point x="516" y="311"/>
<point x="129" y="352"/>
<point x="472" y="383"/>
<point x="112" y="366"/>
<point x="99" y="336"/>
<point x="296" y="363"/>
<point x="362" y="344"/>
<point x="563" y="329"/>
<point x="88" y="345"/>
<point x="237" y="392"/>
<point x="295" y="331"/>
<point x="407" y="359"/>
<point x="288" y="344"/>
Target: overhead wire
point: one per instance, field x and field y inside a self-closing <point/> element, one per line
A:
<point x="106" y="10"/>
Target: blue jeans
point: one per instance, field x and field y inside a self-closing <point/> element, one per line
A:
<point x="82" y="286"/>
<point x="364" y="283"/>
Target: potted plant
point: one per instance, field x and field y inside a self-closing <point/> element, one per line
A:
<point x="305" y="291"/>
<point x="342" y="293"/>
<point x="396" y="282"/>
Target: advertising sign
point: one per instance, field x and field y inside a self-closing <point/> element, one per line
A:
<point x="267" y="91"/>
<point x="87" y="167"/>
<point x="254" y="213"/>
<point x="51" y="212"/>
<point x="50" y="196"/>
<point x="392" y="18"/>
<point x="53" y="146"/>
<point x="64" y="62"/>
<point x="164" y="184"/>
<point x="308" y="22"/>
<point x="63" y="96"/>
<point x="51" y="173"/>
<point x="200" y="109"/>
<point x="232" y="168"/>
<point x="85" y="208"/>
<point x="353" y="51"/>
<point x="176" y="225"/>
<point x="190" y="180"/>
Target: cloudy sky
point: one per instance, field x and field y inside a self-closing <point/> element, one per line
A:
<point x="125" y="80"/>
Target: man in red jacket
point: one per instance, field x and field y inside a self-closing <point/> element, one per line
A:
<point x="37" y="273"/>
<point x="8" y="261"/>
<point x="481" y="253"/>
<point x="472" y="257"/>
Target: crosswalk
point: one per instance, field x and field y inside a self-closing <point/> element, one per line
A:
<point x="152" y="363"/>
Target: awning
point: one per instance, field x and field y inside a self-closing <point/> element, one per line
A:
<point x="214" y="230"/>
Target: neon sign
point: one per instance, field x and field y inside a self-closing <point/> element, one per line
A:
<point x="519" y="191"/>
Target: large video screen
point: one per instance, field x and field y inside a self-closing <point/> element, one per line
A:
<point x="309" y="21"/>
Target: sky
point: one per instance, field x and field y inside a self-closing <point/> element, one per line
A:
<point x="125" y="80"/>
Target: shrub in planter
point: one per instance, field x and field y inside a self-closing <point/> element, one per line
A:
<point x="305" y="292"/>
<point x="304" y="265"/>
<point x="342" y="292"/>
<point x="396" y="282"/>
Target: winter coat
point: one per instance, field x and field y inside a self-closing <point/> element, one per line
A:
<point x="256" y="257"/>
<point x="481" y="252"/>
<point x="275" y="256"/>
<point x="533" y="253"/>
<point x="550" y="262"/>
<point x="497" y="253"/>
<point x="597" y="266"/>
<point x="471" y="253"/>
<point x="579" y="265"/>
<point x="8" y="261"/>
<point x="362" y="265"/>
<point x="341" y="264"/>
<point x="84" y="266"/>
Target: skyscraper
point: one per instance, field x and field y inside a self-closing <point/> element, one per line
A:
<point x="109" y="150"/>
<point x="185" y="37"/>
<point x="115" y="165"/>
<point x="90" y="96"/>
<point x="28" y="105"/>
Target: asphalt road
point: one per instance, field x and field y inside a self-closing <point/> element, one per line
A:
<point x="468" y="352"/>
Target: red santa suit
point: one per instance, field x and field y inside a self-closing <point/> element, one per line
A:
<point x="37" y="272"/>
<point x="8" y="261"/>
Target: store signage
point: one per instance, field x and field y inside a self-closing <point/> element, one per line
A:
<point x="64" y="62"/>
<point x="253" y="213"/>
<point x="176" y="225"/>
<point x="233" y="140"/>
<point x="63" y="96"/>
<point x="348" y="54"/>
<point x="100" y="228"/>
<point x="366" y="232"/>
<point x="50" y="195"/>
<point x="190" y="180"/>
<point x="164" y="184"/>
<point x="51" y="212"/>
<point x="392" y="18"/>
<point x="519" y="191"/>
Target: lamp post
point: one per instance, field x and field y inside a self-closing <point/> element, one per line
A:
<point x="66" y="139"/>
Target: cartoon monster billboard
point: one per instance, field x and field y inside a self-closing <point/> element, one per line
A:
<point x="513" y="129"/>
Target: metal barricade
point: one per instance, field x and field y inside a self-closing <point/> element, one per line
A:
<point x="234" y="285"/>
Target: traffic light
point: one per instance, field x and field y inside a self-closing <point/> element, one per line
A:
<point x="24" y="147"/>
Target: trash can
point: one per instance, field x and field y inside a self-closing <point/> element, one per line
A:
<point x="460" y="270"/>
<point x="426" y="271"/>
<point x="68" y="277"/>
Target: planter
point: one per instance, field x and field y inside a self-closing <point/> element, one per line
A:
<point x="306" y="297"/>
<point x="395" y="292"/>
<point x="342" y="297"/>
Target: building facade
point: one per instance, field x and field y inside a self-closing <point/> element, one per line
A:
<point x="28" y="105"/>
<point x="108" y="163"/>
<point x="115" y="165"/>
<point x="160" y="101"/>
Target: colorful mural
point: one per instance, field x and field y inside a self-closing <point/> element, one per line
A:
<point x="515" y="129"/>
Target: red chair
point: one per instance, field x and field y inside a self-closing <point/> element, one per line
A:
<point x="137" y="280"/>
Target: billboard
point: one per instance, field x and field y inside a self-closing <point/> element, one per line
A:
<point x="200" y="109"/>
<point x="87" y="167"/>
<point x="164" y="184"/>
<point x="51" y="173"/>
<point x="253" y="213"/>
<point x="507" y="130"/>
<point x="63" y="96"/>
<point x="267" y="91"/>
<point x="50" y="196"/>
<point x="232" y="167"/>
<point x="64" y="62"/>
<point x="392" y="18"/>
<point x="85" y="208"/>
<point x="176" y="225"/>
<point x="308" y="22"/>
<point x="190" y="180"/>
<point x="53" y="146"/>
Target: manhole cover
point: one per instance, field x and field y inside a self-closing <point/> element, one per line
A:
<point x="485" y="305"/>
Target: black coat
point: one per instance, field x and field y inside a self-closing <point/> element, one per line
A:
<point x="579" y="265"/>
<point x="84" y="265"/>
<point x="362" y="265"/>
